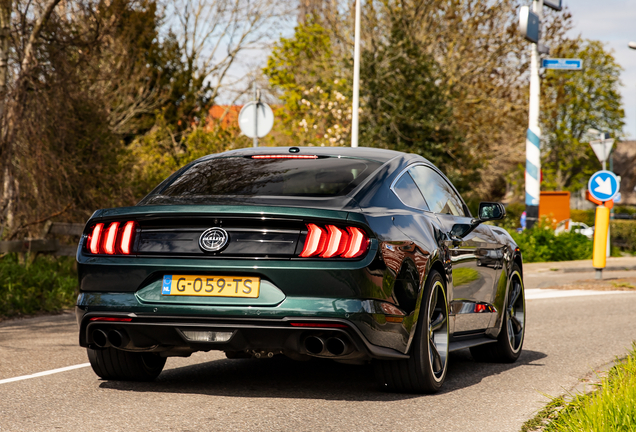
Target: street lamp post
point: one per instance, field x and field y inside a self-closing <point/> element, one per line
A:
<point x="356" y="79"/>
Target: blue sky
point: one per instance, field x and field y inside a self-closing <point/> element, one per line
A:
<point x="612" y="22"/>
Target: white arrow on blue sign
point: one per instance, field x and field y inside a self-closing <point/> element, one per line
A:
<point x="567" y="64"/>
<point x="603" y="185"/>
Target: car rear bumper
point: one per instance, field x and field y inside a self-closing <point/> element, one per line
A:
<point x="168" y="334"/>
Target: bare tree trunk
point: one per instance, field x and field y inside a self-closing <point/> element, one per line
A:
<point x="5" y="28"/>
<point x="8" y="113"/>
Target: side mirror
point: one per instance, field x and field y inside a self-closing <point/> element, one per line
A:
<point x="491" y="211"/>
<point x="487" y="211"/>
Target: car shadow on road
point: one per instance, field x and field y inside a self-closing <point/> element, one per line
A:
<point x="314" y="379"/>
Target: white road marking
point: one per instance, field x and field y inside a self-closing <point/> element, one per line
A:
<point x="543" y="293"/>
<point x="49" y="372"/>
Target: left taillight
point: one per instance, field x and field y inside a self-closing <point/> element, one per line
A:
<point x="115" y="239"/>
<point x="331" y="241"/>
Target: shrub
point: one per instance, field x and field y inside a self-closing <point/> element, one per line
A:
<point x="623" y="233"/>
<point x="540" y="244"/>
<point x="585" y="216"/>
<point x="48" y="284"/>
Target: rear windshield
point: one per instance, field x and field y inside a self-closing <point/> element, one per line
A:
<point x="244" y="176"/>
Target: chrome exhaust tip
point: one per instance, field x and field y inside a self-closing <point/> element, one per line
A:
<point x="118" y="339"/>
<point x="100" y="339"/>
<point x="314" y="345"/>
<point x="337" y="346"/>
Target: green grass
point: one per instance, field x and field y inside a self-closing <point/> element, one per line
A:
<point x="610" y="408"/>
<point x="48" y="284"/>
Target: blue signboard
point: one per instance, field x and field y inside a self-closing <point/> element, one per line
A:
<point x="567" y="64"/>
<point x="603" y="185"/>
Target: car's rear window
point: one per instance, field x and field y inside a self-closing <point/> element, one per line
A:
<point x="245" y="176"/>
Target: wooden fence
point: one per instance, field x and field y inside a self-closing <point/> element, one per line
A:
<point x="46" y="245"/>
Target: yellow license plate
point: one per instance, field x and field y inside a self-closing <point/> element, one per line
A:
<point x="211" y="286"/>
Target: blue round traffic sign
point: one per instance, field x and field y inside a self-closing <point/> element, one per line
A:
<point x="603" y="185"/>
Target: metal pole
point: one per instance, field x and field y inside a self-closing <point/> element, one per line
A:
<point x="255" y="140"/>
<point x="533" y="135"/>
<point x="356" y="79"/>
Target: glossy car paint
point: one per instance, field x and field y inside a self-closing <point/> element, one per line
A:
<point x="378" y="296"/>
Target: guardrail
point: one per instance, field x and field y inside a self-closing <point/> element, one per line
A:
<point x="44" y="245"/>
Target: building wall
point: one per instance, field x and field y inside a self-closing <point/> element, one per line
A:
<point x="624" y="159"/>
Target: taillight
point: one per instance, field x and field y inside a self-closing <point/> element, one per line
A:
<point x="358" y="243"/>
<point x="117" y="239"/>
<point x="111" y="236"/>
<point x="127" y="237"/>
<point x="95" y="237"/>
<point x="334" y="242"/>
<point x="315" y="241"/>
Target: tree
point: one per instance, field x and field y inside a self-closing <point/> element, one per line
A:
<point x="406" y="104"/>
<point x="316" y="97"/>
<point x="572" y="102"/>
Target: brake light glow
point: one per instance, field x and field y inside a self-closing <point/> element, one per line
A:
<point x="95" y="237"/>
<point x="334" y="242"/>
<point x="127" y="237"/>
<point x="315" y="242"/>
<point x="358" y="243"/>
<point x="117" y="239"/>
<point x="111" y="236"/>
<point x="337" y="242"/>
<point x="285" y="157"/>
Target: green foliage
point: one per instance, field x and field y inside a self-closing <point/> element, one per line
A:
<point x="540" y="244"/>
<point x="46" y="285"/>
<point x="162" y="151"/>
<point x="316" y="97"/>
<point x="611" y="408"/>
<point x="406" y="106"/>
<point x="572" y="102"/>
<point x="586" y="216"/>
<point x="623" y="234"/>
<point x="625" y="209"/>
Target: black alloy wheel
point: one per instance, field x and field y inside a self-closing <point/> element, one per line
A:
<point x="510" y="340"/>
<point x="425" y="370"/>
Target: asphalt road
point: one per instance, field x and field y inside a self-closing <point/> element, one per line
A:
<point x="566" y="339"/>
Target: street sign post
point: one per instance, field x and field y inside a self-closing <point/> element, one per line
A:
<point x="602" y="148"/>
<point x="553" y="4"/>
<point x="256" y="120"/>
<point x="529" y="24"/>
<point x="563" y="64"/>
<point x="603" y="187"/>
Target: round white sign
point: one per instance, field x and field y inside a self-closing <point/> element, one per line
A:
<point x="253" y="116"/>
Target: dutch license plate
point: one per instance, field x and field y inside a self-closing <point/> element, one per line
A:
<point x="211" y="286"/>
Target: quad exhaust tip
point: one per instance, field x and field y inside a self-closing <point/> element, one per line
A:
<point x="331" y="347"/>
<point x="114" y="338"/>
<point x="100" y="339"/>
<point x="118" y="339"/>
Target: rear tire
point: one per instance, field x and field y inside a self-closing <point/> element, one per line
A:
<point x="114" y="364"/>
<point x="509" y="343"/>
<point x="425" y="370"/>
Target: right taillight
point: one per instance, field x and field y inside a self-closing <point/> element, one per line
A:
<point x="116" y="239"/>
<point x="334" y="242"/>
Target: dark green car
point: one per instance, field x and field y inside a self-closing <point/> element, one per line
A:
<point x="351" y="254"/>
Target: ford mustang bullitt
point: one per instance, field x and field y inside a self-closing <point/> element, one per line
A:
<point x="351" y="254"/>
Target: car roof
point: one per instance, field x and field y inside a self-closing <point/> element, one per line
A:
<point x="375" y="154"/>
